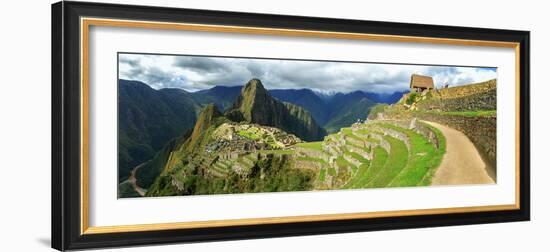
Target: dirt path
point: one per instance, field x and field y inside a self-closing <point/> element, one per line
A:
<point x="133" y="181"/>
<point x="462" y="163"/>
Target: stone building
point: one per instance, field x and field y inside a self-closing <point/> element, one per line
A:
<point x="420" y="83"/>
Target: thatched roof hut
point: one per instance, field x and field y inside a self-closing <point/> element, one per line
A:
<point x="421" y="82"/>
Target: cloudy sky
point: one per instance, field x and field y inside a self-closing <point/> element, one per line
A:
<point x="194" y="73"/>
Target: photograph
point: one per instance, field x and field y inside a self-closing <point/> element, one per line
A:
<point x="204" y="125"/>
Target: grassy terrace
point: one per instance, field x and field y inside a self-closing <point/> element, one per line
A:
<point x="397" y="160"/>
<point x="248" y="134"/>
<point x="349" y="133"/>
<point x="363" y="131"/>
<point x="322" y="175"/>
<point x="397" y="168"/>
<point x="312" y="145"/>
<point x="366" y="172"/>
<point x="354" y="145"/>
<point x="424" y="158"/>
<point x="358" y="157"/>
<point x="373" y="140"/>
<point x="332" y="171"/>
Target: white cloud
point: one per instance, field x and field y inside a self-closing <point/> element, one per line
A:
<point x="194" y="73"/>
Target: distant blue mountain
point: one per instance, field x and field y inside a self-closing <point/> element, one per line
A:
<point x="304" y="98"/>
<point x="386" y="98"/>
<point x="221" y="96"/>
<point x="327" y="109"/>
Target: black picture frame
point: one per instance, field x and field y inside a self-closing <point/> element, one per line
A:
<point x="66" y="125"/>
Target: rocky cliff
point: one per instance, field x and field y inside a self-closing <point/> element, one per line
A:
<point x="256" y="105"/>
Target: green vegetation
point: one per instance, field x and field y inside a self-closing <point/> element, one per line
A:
<point x="126" y="190"/>
<point x="332" y="171"/>
<point x="397" y="160"/>
<point x="278" y="177"/>
<point x="367" y="172"/>
<point x="438" y="157"/>
<point x="322" y="175"/>
<point x="348" y="111"/>
<point x="423" y="157"/>
<point x="379" y="108"/>
<point x="248" y="134"/>
<point x="147" y="120"/>
<point x="311" y="145"/>
<point x="255" y="105"/>
<point x="411" y="99"/>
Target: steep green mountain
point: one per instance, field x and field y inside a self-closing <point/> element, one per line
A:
<point x="179" y="149"/>
<point x="199" y="166"/>
<point x="304" y="98"/>
<point x="256" y="105"/>
<point x="148" y="119"/>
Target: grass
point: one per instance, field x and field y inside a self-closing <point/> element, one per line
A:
<point x="342" y="163"/>
<point x="322" y="175"/>
<point x="349" y="133"/>
<point x="332" y="171"/>
<point x="363" y="131"/>
<point x="424" y="158"/>
<point x="312" y="145"/>
<point x="346" y="131"/>
<point x="354" y="145"/>
<point x="248" y="134"/>
<point x="427" y="180"/>
<point x="365" y="173"/>
<point x="357" y="156"/>
<point x="397" y="160"/>
<point x="244" y="163"/>
<point x="251" y="158"/>
<point x="411" y="99"/>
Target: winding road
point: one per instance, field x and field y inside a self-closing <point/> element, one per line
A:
<point x="462" y="163"/>
<point x="133" y="181"/>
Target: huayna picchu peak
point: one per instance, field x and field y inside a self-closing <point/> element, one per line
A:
<point x="256" y="105"/>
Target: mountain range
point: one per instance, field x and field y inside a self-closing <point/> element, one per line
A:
<point x="322" y="107"/>
<point x="149" y="118"/>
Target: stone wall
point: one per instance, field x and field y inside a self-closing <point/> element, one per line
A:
<point x="307" y="164"/>
<point x="383" y="143"/>
<point x="479" y="96"/>
<point x="396" y="134"/>
<point x="420" y="128"/>
<point x="426" y="131"/>
<point x="480" y="101"/>
<point x="461" y="91"/>
<point x="313" y="153"/>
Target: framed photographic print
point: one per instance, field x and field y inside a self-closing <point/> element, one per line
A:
<point x="180" y="125"/>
